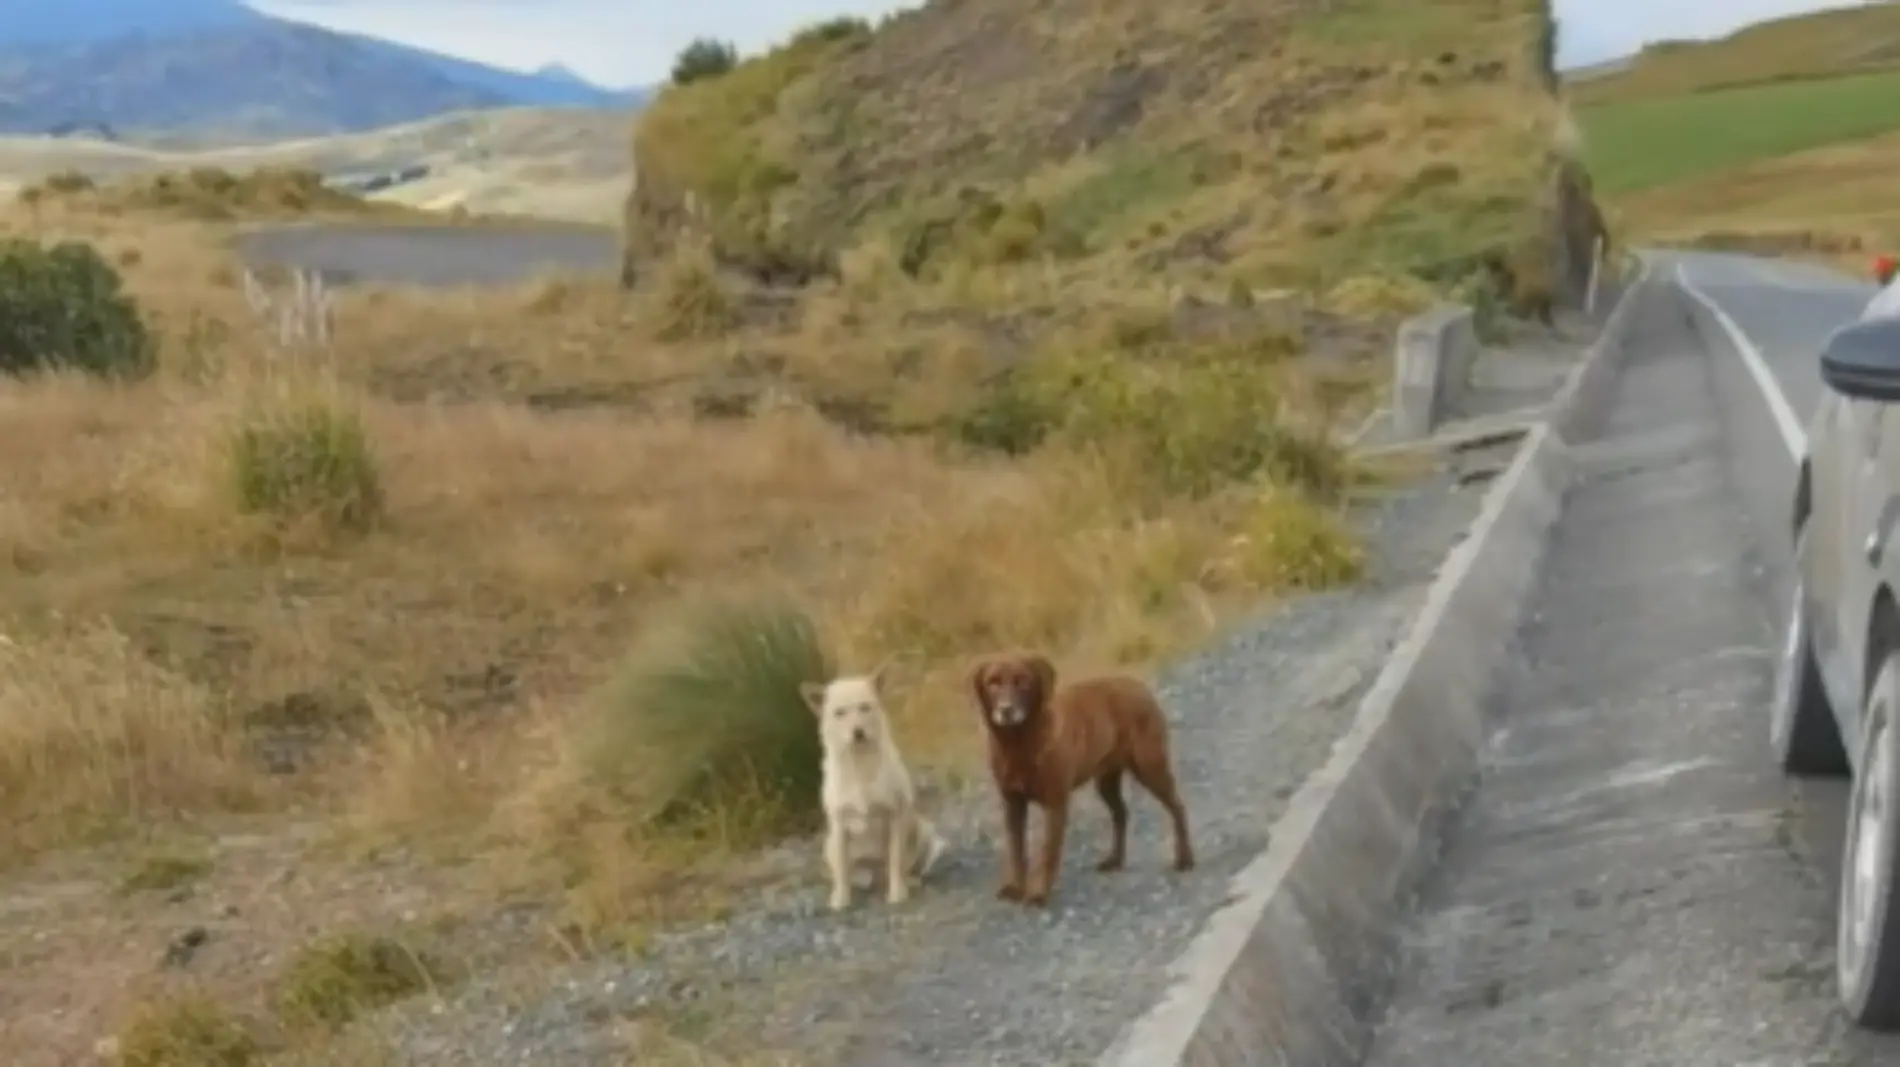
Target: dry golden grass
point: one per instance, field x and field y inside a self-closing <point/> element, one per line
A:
<point x="346" y="613"/>
<point x="189" y="655"/>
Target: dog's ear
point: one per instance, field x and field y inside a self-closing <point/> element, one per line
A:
<point x="882" y="674"/>
<point x="813" y="694"/>
<point x="1045" y="673"/>
<point x="980" y="683"/>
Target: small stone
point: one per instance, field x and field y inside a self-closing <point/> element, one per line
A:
<point x="185" y="946"/>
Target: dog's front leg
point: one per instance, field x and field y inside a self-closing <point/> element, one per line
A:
<point x="1055" y="824"/>
<point x="897" y="857"/>
<point x="1016" y="845"/>
<point x="837" y="859"/>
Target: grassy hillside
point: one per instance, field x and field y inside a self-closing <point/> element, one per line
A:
<point x="1643" y="143"/>
<point x="1827" y="44"/>
<point x="1778" y="138"/>
<point x="1124" y="144"/>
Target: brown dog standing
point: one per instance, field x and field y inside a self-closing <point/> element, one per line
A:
<point x="1045" y="742"/>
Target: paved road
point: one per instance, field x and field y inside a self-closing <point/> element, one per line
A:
<point x="433" y="256"/>
<point x="1633" y="885"/>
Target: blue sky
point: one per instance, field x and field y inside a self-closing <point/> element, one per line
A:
<point x="623" y="42"/>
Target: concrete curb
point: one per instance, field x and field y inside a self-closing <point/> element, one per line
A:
<point x="1432" y="368"/>
<point x="1290" y="972"/>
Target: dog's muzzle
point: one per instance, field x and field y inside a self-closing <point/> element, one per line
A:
<point x="1007" y="713"/>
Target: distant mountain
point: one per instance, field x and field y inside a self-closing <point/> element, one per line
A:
<point x="218" y="69"/>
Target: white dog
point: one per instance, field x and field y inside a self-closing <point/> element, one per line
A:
<point x="870" y="802"/>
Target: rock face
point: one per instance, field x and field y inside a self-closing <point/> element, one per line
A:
<point x="1575" y="226"/>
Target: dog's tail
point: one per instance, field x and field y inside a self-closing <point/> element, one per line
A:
<point x="934" y="846"/>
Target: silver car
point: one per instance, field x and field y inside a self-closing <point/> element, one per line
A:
<point x="1837" y="699"/>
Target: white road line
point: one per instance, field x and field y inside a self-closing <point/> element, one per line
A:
<point x="1792" y="434"/>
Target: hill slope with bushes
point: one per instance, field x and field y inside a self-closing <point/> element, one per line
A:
<point x="1324" y="148"/>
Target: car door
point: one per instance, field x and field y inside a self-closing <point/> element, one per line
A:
<point x="1865" y="492"/>
<point x="1865" y="510"/>
<point x="1821" y="562"/>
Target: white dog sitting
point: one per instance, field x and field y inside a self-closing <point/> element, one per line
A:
<point x="870" y="802"/>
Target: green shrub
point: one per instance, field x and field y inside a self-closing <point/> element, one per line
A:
<point x="307" y="457"/>
<point x="188" y="1031"/>
<point x="977" y="227"/>
<point x="845" y="28"/>
<point x="704" y="58"/>
<point x="1182" y="418"/>
<point x="63" y="307"/>
<point x="1295" y="542"/>
<point x="1014" y="415"/>
<point x="332" y="982"/>
<point x="68" y="181"/>
<point x="705" y="719"/>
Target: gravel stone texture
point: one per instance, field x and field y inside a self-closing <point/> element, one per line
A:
<point x="956" y="977"/>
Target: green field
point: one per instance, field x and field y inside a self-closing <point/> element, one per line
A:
<point x="1641" y="144"/>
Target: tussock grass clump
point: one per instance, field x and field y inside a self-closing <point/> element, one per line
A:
<point x="94" y="736"/>
<point x="704" y="718"/>
<point x="163" y="872"/>
<point x="332" y="982"/>
<point x="690" y="300"/>
<point x="1291" y="541"/>
<point x="188" y="1031"/>
<point x="63" y="307"/>
<point x="299" y="456"/>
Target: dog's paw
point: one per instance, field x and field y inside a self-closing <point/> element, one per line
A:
<point x="1184" y="863"/>
<point x="1009" y="891"/>
<point x="1037" y="897"/>
<point x="899" y="894"/>
<point x="1111" y="863"/>
<point x="840" y="901"/>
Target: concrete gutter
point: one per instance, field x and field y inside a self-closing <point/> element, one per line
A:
<point x="1291" y="972"/>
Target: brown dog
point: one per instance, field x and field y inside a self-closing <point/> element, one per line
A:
<point x="1045" y="742"/>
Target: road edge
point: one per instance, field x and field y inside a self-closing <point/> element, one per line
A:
<point x="1291" y="970"/>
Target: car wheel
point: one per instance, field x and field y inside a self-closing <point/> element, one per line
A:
<point x="1802" y="729"/>
<point x="1867" y="950"/>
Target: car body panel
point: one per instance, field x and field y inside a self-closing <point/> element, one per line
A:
<point x="1853" y="466"/>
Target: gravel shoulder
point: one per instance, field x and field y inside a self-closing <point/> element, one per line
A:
<point x="955" y="977"/>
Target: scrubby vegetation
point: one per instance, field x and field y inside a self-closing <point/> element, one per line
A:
<point x="995" y="325"/>
<point x="1250" y="145"/>
<point x="205" y="193"/>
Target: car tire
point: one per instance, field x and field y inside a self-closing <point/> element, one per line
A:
<point x="1802" y="730"/>
<point x="1867" y="950"/>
